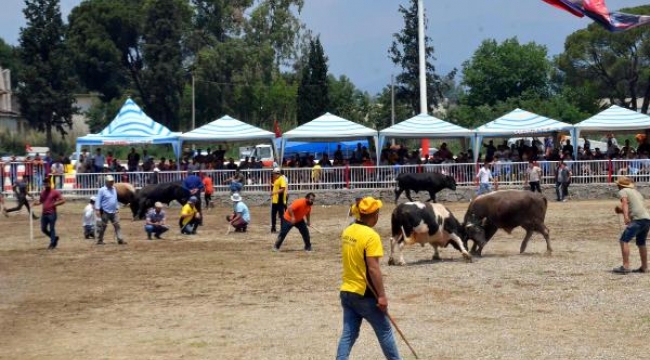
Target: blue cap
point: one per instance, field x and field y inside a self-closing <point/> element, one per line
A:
<point x="193" y="199"/>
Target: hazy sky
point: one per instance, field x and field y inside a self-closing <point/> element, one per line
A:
<point x="356" y="34"/>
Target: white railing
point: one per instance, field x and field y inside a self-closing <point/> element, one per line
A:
<point x="331" y="178"/>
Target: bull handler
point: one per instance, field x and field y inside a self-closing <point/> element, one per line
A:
<point x="106" y="210"/>
<point x="190" y="217"/>
<point x="241" y="216"/>
<point x="362" y="292"/>
<point x="637" y="221"/>
<point x="298" y="215"/>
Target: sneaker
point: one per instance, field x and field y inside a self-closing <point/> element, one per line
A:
<point x="121" y="242"/>
<point x="100" y="242"/>
<point x="640" y="270"/>
<point x="148" y="236"/>
<point x="308" y="250"/>
<point x="157" y="236"/>
<point x="275" y="248"/>
<point x="621" y="270"/>
<point x="273" y="231"/>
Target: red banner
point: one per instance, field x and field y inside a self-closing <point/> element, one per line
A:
<point x="276" y="129"/>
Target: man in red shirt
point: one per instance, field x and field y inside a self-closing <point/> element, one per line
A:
<point x="50" y="199"/>
<point x="298" y="215"/>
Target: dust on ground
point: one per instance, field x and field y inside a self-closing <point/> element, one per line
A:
<point x="218" y="296"/>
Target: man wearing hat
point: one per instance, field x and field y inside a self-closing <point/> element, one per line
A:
<point x="637" y="221"/>
<point x="89" y="220"/>
<point x="241" y="216"/>
<point x="190" y="217"/>
<point x="156" y="221"/>
<point x="298" y="215"/>
<point x="20" y="190"/>
<point x="278" y="196"/>
<point x="50" y="199"/>
<point x="362" y="292"/>
<point x="106" y="209"/>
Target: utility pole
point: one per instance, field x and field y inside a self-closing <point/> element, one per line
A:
<point x="193" y="104"/>
<point x="392" y="104"/>
<point x="423" y="70"/>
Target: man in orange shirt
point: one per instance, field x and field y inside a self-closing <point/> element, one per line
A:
<point x="209" y="189"/>
<point x="298" y="215"/>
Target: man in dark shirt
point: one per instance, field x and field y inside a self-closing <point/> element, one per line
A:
<point x="133" y="160"/>
<point x="20" y="190"/>
<point x="193" y="185"/>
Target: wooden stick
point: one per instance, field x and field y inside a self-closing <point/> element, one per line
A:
<point x="229" y="227"/>
<point x="315" y="228"/>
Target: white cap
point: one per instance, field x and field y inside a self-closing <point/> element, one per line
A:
<point x="276" y="170"/>
<point x="236" y="197"/>
<point x="93" y="198"/>
<point x="158" y="205"/>
<point x="110" y="178"/>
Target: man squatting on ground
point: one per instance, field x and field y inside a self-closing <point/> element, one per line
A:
<point x="363" y="297"/>
<point x="190" y="217"/>
<point x="637" y="221"/>
<point x="241" y="216"/>
<point x="298" y="214"/>
<point x="106" y="209"/>
<point x="50" y="199"/>
<point x="156" y="221"/>
<point x="89" y="220"/>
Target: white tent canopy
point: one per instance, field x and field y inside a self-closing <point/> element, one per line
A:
<point x="519" y="122"/>
<point x="424" y="126"/>
<point x="330" y="127"/>
<point x="615" y="119"/>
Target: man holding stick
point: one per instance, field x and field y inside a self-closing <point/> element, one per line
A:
<point x="637" y="221"/>
<point x="361" y="297"/>
<point x="298" y="215"/>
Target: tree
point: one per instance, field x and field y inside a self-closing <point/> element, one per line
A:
<point x="46" y="86"/>
<point x="8" y="59"/>
<point x="313" y="91"/>
<point x="404" y="52"/>
<point x="347" y="101"/>
<point x="616" y="66"/>
<point x="164" y="75"/>
<point x="497" y="72"/>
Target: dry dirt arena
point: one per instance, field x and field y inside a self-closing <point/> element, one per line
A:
<point x="218" y="296"/>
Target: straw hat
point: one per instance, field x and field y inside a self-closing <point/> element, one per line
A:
<point x="625" y="182"/>
<point x="158" y="205"/>
<point x="236" y="197"/>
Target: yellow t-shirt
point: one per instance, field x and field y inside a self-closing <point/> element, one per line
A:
<point x="358" y="242"/>
<point x="354" y="212"/>
<point x="279" y="183"/>
<point x="188" y="210"/>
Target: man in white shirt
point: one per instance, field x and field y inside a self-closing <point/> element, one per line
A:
<point x="484" y="177"/>
<point x="89" y="219"/>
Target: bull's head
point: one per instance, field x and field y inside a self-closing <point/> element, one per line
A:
<point x="450" y="182"/>
<point x="474" y="229"/>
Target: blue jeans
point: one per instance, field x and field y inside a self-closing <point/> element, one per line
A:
<point x="48" y="221"/>
<point x="155" y="229"/>
<point x="286" y="227"/>
<point x="636" y="229"/>
<point x="355" y="309"/>
<point x="484" y="188"/>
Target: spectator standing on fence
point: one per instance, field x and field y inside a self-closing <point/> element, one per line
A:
<point x="533" y="176"/>
<point x="562" y="181"/>
<point x="98" y="161"/>
<point x="241" y="216"/>
<point x="29" y="172"/>
<point x="133" y="160"/>
<point x="89" y="221"/>
<point x="106" y="209"/>
<point x="279" y="194"/>
<point x="21" y="192"/>
<point x="298" y="214"/>
<point x="156" y="221"/>
<point x="50" y="199"/>
<point x="362" y="291"/>
<point x="209" y="189"/>
<point x="637" y="221"/>
<point x="39" y="170"/>
<point x="485" y="178"/>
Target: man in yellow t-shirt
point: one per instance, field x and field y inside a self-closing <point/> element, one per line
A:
<point x="362" y="292"/>
<point x="190" y="217"/>
<point x="278" y="196"/>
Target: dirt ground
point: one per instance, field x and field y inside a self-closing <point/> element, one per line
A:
<point x="214" y="296"/>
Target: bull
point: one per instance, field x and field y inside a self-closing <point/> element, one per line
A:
<point x="165" y="193"/>
<point x="125" y="193"/>
<point x="431" y="182"/>
<point x="505" y="210"/>
<point x="417" y="222"/>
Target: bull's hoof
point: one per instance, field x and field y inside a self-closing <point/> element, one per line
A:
<point x="391" y="262"/>
<point x="548" y="253"/>
<point x="436" y="258"/>
<point x="468" y="258"/>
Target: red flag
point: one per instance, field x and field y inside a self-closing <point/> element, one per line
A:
<point x="28" y="148"/>
<point x="276" y="129"/>
<point x="574" y="7"/>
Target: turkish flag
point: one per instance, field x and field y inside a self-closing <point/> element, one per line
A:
<point x="276" y="129"/>
<point x="28" y="148"/>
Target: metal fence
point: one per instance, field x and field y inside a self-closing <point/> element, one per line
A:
<point x="348" y="177"/>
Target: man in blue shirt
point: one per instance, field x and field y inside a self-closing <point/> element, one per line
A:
<point x="106" y="209"/>
<point x="193" y="185"/>
<point x="156" y="221"/>
<point x="241" y="216"/>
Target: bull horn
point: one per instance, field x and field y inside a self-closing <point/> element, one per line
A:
<point x="484" y="222"/>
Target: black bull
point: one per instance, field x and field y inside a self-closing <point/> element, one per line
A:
<point x="431" y="182"/>
<point x="505" y="210"/>
<point x="165" y="193"/>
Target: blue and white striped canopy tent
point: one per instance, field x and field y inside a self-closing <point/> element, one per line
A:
<point x="228" y="129"/>
<point x="614" y="119"/>
<point x="131" y="126"/>
<point x="520" y="123"/>
<point x="330" y="127"/>
<point x="424" y="126"/>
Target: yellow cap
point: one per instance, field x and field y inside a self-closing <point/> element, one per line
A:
<point x="369" y="205"/>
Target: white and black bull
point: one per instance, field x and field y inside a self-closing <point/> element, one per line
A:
<point x="505" y="210"/>
<point x="430" y="182"/>
<point x="417" y="222"/>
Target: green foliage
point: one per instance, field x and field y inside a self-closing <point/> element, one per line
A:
<point x="347" y="101"/>
<point x="313" y="92"/>
<point x="46" y="86"/>
<point x="380" y="112"/>
<point x="404" y="52"/>
<point x="9" y="60"/>
<point x="497" y="72"/>
<point x="616" y="66"/>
